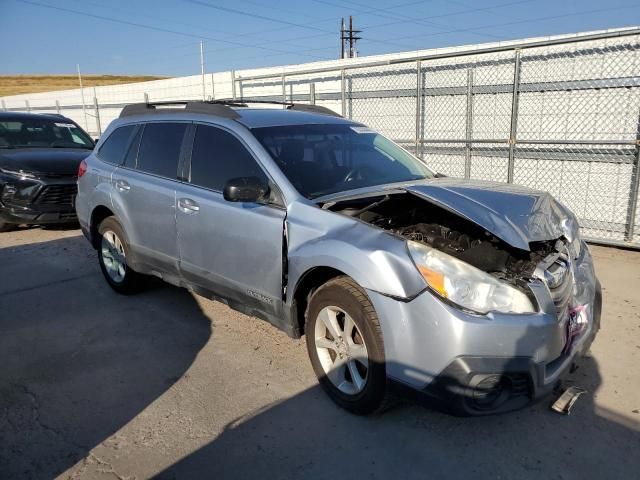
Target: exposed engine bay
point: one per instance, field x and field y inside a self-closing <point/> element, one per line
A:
<point x="415" y="219"/>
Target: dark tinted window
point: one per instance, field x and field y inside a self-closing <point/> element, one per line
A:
<point x="132" y="153"/>
<point x="114" y="147"/>
<point x="160" y="148"/>
<point x="218" y="157"/>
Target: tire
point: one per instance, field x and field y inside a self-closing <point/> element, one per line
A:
<point x="361" y="391"/>
<point x="113" y="245"/>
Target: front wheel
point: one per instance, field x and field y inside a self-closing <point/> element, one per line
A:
<point x="113" y="251"/>
<point x="345" y="345"/>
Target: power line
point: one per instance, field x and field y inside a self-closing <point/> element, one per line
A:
<point x="452" y="14"/>
<point x="402" y="18"/>
<point x="529" y="20"/>
<point x="158" y="29"/>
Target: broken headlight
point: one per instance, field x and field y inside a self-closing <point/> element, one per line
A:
<point x="465" y="285"/>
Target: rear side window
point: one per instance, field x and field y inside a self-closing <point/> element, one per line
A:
<point x="114" y="148"/>
<point x="218" y="156"/>
<point x="132" y="153"/>
<point x="159" y="150"/>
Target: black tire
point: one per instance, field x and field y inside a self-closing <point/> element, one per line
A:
<point x="6" y="227"/>
<point x="344" y="293"/>
<point x="132" y="282"/>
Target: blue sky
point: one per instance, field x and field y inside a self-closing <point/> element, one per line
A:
<point x="162" y="37"/>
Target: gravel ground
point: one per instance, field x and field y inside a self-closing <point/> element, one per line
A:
<point x="166" y="384"/>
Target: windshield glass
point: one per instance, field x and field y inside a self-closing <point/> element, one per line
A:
<point x="323" y="159"/>
<point x="42" y="133"/>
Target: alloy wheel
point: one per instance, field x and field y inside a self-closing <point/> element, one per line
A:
<point x="341" y="350"/>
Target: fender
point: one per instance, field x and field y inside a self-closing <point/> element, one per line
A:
<point x="374" y="258"/>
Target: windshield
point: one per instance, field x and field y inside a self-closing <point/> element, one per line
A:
<point x="323" y="159"/>
<point x="42" y="133"/>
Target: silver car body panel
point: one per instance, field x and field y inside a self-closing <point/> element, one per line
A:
<point x="237" y="252"/>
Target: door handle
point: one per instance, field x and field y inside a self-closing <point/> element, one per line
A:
<point x="123" y="186"/>
<point x="186" y="205"/>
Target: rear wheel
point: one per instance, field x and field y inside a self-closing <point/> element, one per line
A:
<point x="345" y="345"/>
<point x="113" y="250"/>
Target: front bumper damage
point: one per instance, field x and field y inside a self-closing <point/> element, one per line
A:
<point x="475" y="364"/>
<point x="37" y="200"/>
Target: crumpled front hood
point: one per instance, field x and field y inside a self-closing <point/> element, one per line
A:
<point x="518" y="215"/>
<point x="59" y="161"/>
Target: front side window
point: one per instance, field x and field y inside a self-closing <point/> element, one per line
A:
<point x="27" y="132"/>
<point x="113" y="149"/>
<point x="323" y="159"/>
<point x="218" y="156"/>
<point x="159" y="150"/>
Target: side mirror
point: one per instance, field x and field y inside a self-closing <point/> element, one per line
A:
<point x="245" y="189"/>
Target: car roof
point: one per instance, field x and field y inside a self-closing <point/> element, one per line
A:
<point x="26" y="115"/>
<point x="275" y="117"/>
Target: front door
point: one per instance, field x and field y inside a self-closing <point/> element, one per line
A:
<point x="233" y="249"/>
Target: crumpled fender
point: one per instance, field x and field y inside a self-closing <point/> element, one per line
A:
<point x="374" y="258"/>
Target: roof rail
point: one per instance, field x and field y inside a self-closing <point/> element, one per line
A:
<point x="219" y="108"/>
<point x="301" y="107"/>
<point x="210" y="108"/>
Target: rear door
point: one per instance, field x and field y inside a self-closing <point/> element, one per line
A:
<point x="144" y="194"/>
<point x="233" y="249"/>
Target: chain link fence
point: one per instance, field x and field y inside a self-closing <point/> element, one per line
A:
<point x="561" y="115"/>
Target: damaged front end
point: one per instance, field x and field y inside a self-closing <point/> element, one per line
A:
<point x="512" y="299"/>
<point x="449" y="249"/>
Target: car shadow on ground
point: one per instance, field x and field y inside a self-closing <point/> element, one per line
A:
<point x="308" y="437"/>
<point x="78" y="360"/>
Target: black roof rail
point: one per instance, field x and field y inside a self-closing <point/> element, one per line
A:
<point x="219" y="108"/>
<point x="210" y="108"/>
<point x="301" y="107"/>
<point x="305" y="107"/>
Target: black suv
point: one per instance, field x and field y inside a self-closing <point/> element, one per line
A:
<point x="39" y="160"/>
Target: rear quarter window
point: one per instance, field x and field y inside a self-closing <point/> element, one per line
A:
<point x="114" y="148"/>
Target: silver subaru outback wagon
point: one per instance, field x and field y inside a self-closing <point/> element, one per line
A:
<point x="475" y="296"/>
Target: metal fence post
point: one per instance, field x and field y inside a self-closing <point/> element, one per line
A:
<point x="96" y="110"/>
<point x="635" y="188"/>
<point x="343" y="97"/>
<point x="146" y="97"/>
<point x="418" y="107"/>
<point x="233" y="84"/>
<point x="57" y="107"/>
<point x="213" y="88"/>
<point x="469" y="126"/>
<point x="4" y="106"/>
<point x="26" y="102"/>
<point x="284" y="90"/>
<point x="312" y="93"/>
<point x="514" y="116"/>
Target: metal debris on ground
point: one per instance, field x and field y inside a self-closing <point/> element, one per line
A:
<point x="566" y="401"/>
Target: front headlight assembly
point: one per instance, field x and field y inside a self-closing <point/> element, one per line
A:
<point x="465" y="285"/>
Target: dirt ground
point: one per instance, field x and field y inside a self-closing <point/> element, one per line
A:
<point x="21" y="84"/>
<point x="168" y="385"/>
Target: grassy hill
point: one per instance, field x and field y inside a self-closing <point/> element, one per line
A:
<point x="18" y="84"/>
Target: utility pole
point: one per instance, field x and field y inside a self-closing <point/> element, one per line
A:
<point x="204" y="94"/>
<point x="350" y="37"/>
<point x="342" y="39"/>
<point x="84" y="112"/>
